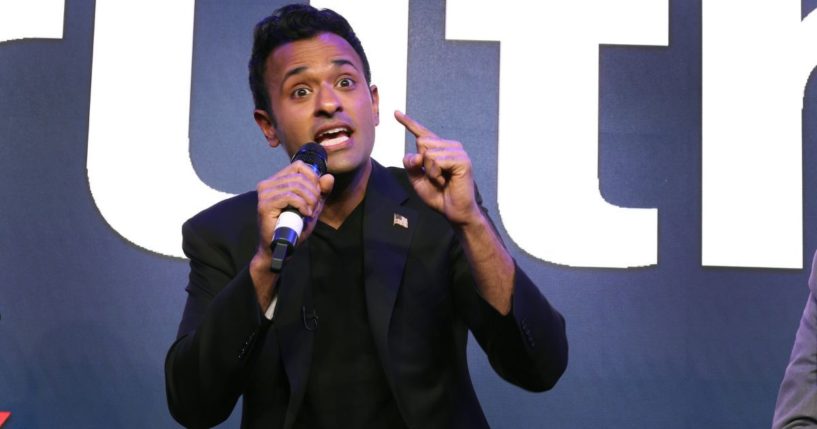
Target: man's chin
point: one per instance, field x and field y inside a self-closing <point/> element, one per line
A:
<point x="346" y="169"/>
<point x="338" y="166"/>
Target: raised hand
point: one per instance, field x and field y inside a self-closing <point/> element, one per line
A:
<point x="441" y="173"/>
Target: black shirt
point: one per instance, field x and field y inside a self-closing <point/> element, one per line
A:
<point x="347" y="386"/>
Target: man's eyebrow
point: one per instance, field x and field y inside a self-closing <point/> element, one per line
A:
<point x="341" y="62"/>
<point x="293" y="72"/>
<point x="337" y="63"/>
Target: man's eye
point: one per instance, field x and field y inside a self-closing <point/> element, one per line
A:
<point x="300" y="92"/>
<point x="346" y="83"/>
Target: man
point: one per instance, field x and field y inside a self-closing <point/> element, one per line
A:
<point x="797" y="400"/>
<point x="366" y="324"/>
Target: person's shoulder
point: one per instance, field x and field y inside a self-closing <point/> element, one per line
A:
<point x="399" y="189"/>
<point x="399" y="174"/>
<point x="230" y="226"/>
<point x="231" y="211"/>
<point x="397" y="178"/>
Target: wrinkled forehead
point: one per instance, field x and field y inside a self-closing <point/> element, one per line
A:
<point x="325" y="50"/>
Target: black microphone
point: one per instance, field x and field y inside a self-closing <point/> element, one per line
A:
<point x="290" y="222"/>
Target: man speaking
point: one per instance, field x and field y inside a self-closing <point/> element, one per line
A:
<point x="364" y="321"/>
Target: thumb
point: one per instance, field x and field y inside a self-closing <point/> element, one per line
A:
<point x="326" y="183"/>
<point x="413" y="163"/>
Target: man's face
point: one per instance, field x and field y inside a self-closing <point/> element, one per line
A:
<point x="318" y="92"/>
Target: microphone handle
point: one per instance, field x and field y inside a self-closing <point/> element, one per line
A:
<point x="287" y="230"/>
<point x="290" y="223"/>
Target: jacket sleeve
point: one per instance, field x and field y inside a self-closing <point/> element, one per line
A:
<point x="208" y="365"/>
<point x="527" y="347"/>
<point x="797" y="398"/>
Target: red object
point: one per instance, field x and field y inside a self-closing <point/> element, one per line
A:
<point x="4" y="415"/>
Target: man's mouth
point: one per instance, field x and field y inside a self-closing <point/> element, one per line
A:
<point x="333" y="136"/>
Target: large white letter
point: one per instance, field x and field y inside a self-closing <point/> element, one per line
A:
<point x="548" y="190"/>
<point x="31" y="19"/>
<point x="385" y="40"/>
<point x="139" y="166"/>
<point x="757" y="56"/>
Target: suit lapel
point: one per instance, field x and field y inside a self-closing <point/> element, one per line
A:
<point x="295" y="340"/>
<point x="387" y="232"/>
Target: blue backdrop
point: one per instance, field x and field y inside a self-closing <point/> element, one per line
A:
<point x="86" y="317"/>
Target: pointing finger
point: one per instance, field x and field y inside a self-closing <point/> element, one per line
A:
<point x="413" y="126"/>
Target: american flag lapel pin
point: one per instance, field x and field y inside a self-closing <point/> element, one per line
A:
<point x="400" y="220"/>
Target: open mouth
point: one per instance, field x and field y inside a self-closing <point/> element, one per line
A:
<point x="333" y="136"/>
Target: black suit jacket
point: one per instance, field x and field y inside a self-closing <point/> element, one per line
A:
<point x="421" y="300"/>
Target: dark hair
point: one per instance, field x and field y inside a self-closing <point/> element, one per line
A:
<point x="289" y="24"/>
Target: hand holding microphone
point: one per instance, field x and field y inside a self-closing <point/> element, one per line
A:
<point x="285" y="199"/>
<point x="290" y="221"/>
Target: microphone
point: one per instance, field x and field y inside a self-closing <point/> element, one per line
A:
<point x="290" y="222"/>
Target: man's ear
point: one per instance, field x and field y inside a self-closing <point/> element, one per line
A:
<point x="375" y="103"/>
<point x="264" y="121"/>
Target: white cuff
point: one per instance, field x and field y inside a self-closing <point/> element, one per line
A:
<point x="271" y="309"/>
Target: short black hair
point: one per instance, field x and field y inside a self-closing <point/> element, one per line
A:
<point x="289" y="24"/>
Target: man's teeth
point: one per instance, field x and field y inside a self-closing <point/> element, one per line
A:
<point x="333" y="131"/>
<point x="333" y="136"/>
<point x="335" y="140"/>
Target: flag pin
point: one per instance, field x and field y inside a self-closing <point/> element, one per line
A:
<point x="400" y="220"/>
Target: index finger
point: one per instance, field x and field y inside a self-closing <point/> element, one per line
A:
<point x="413" y="126"/>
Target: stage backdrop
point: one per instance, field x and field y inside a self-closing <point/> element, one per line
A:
<point x="651" y="163"/>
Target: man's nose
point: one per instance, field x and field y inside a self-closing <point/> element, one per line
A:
<point x="328" y="102"/>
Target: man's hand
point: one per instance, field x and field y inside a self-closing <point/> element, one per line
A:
<point x="295" y="186"/>
<point x="441" y="174"/>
